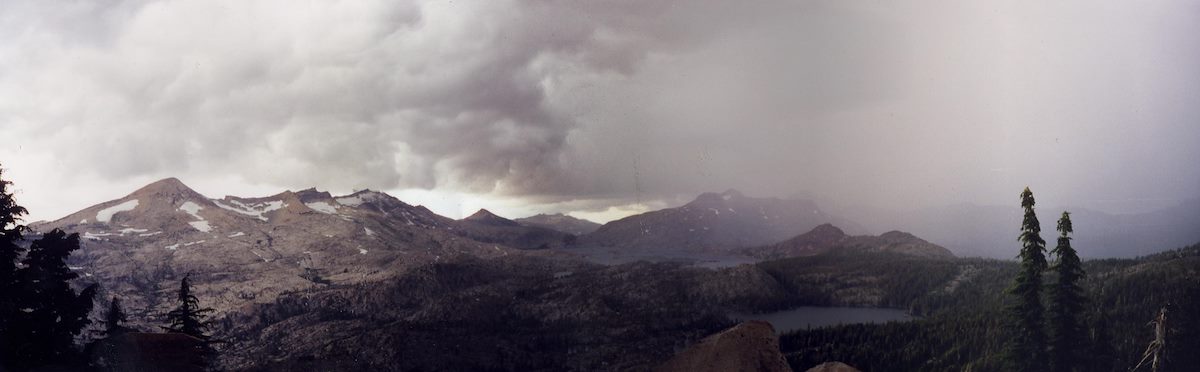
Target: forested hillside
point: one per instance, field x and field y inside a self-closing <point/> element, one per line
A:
<point x="964" y="327"/>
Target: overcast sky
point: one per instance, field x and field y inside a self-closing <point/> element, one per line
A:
<point x="604" y="108"/>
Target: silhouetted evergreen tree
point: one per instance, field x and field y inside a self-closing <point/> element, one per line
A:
<point x="1066" y="302"/>
<point x="1026" y="350"/>
<point x="50" y="313"/>
<point x="189" y="318"/>
<point x="11" y="234"/>
<point x="113" y="321"/>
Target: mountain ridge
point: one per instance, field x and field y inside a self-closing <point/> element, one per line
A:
<point x="714" y="222"/>
<point x="560" y="222"/>
<point x="829" y="238"/>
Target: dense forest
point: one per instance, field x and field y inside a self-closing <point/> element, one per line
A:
<point x="963" y="327"/>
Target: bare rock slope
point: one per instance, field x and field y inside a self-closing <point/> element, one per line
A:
<point x="749" y="346"/>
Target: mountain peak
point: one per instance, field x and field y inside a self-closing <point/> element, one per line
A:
<point x="826" y="229"/>
<point x="732" y="194"/>
<point x="485" y="216"/>
<point x="166" y="187"/>
<point x="717" y="199"/>
<point x="482" y="213"/>
<point x="821" y="235"/>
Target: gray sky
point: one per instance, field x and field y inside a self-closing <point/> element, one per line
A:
<point x="604" y="108"/>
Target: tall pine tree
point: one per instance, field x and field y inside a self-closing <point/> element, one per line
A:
<point x="11" y="234"/>
<point x="189" y="318"/>
<point x="1066" y="302"/>
<point x="115" y="319"/>
<point x="50" y="312"/>
<point x="1026" y="350"/>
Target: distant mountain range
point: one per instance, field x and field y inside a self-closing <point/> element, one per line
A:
<point x="560" y="222"/>
<point x="715" y="223"/>
<point x="248" y="250"/>
<point x="242" y="250"/>
<point x="490" y="228"/>
<point x="827" y="238"/>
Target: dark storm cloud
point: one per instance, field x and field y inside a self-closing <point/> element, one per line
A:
<point x="582" y="105"/>
<point x="361" y="94"/>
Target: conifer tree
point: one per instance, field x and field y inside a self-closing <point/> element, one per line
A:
<point x="188" y="318"/>
<point x="1026" y="350"/>
<point x="50" y="312"/>
<point x="1066" y="302"/>
<point x="11" y="234"/>
<point x="113" y="321"/>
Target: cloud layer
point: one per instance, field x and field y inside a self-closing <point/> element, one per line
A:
<point x="594" y="104"/>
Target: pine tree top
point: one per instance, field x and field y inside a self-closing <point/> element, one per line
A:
<point x="1064" y="224"/>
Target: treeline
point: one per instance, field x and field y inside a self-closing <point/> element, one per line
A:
<point x="44" y="318"/>
<point x="976" y="325"/>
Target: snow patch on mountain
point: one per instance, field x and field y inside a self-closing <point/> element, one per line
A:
<point x="194" y="210"/>
<point x="255" y="210"/>
<point x="130" y="230"/>
<point x="351" y="201"/>
<point x="94" y="236"/>
<point x="237" y="234"/>
<point x="203" y="226"/>
<point x="368" y="231"/>
<point x="105" y="215"/>
<point x="358" y="199"/>
<point x="322" y="207"/>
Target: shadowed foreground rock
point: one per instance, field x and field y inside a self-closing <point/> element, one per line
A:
<point x="750" y="346"/>
<point x="833" y="367"/>
<point x="150" y="352"/>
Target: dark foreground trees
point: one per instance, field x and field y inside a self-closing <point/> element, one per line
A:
<point x="1066" y="300"/>
<point x="49" y="312"/>
<point x="11" y="234"/>
<point x="1026" y="350"/>
<point x="40" y="312"/>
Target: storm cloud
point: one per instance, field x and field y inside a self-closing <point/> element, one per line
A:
<point x="598" y="105"/>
